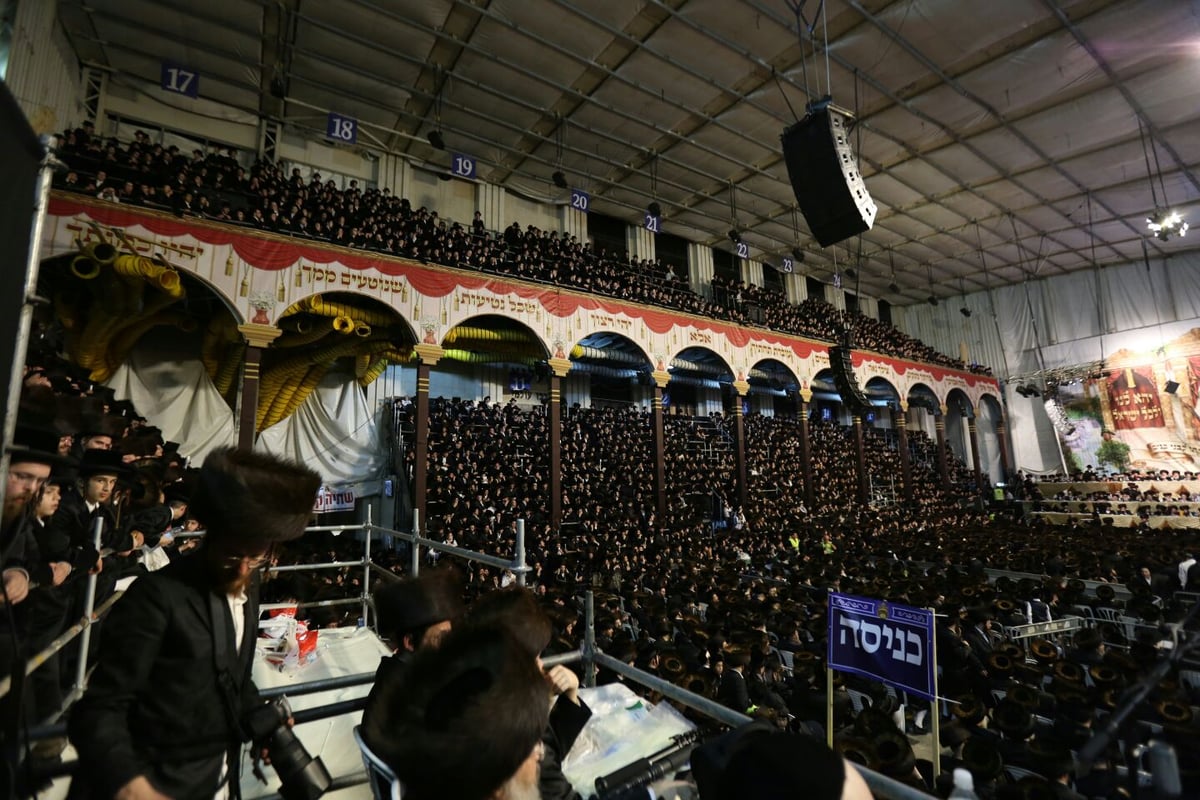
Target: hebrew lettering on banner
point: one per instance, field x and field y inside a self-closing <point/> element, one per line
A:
<point x="886" y="642"/>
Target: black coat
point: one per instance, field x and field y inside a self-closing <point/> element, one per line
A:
<point x="155" y="705"/>
<point x="563" y="728"/>
<point x="733" y="692"/>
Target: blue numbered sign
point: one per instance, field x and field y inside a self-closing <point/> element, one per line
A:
<point x="342" y="128"/>
<point x="462" y="166"/>
<point x="837" y="280"/>
<point x="653" y="223"/>
<point x="743" y="250"/>
<point x="180" y="80"/>
<point x="787" y="266"/>
<point x="580" y="200"/>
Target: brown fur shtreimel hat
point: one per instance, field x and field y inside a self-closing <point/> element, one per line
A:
<point x="253" y="495"/>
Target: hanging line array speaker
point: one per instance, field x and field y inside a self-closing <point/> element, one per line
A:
<point x="846" y="382"/>
<point x="825" y="177"/>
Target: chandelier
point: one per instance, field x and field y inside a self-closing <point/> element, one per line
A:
<point x="1165" y="224"/>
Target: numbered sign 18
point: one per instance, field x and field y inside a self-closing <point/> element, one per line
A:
<point x="180" y="80"/>
<point x="653" y="223"/>
<point x="787" y="266"/>
<point x="580" y="200"/>
<point x="462" y="166"/>
<point x="342" y="128"/>
<point x="743" y="250"/>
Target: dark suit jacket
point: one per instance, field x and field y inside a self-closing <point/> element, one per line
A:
<point x="563" y="728"/>
<point x="733" y="693"/>
<point x="155" y="705"/>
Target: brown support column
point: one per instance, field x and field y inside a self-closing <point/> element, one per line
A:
<point x="864" y="487"/>
<point x="1002" y="438"/>
<point x="901" y="420"/>
<point x="258" y="338"/>
<point x="559" y="367"/>
<point x="661" y="379"/>
<point x="741" y="387"/>
<point x="805" y="451"/>
<point x="973" y="434"/>
<point x="939" y="424"/>
<point x="427" y="355"/>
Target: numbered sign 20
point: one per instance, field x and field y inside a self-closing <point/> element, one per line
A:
<point x="653" y="223"/>
<point x="743" y="250"/>
<point x="580" y="200"/>
<point x="462" y="166"/>
<point x="342" y="128"/>
<point x="180" y="80"/>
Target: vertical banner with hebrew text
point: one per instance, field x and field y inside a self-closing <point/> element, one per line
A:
<point x="887" y="642"/>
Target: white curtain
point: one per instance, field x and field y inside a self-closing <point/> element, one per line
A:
<point x="177" y="396"/>
<point x="333" y="432"/>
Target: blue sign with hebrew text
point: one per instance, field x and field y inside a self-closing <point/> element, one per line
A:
<point x="884" y="641"/>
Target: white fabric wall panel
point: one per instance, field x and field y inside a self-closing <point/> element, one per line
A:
<point x="43" y="73"/>
<point x="333" y="432"/>
<point x="454" y="200"/>
<point x="529" y="212"/>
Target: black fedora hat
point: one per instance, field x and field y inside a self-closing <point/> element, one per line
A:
<point x="37" y="445"/>
<point x="103" y="462"/>
<point x="893" y="754"/>
<point x="1043" y="651"/>
<point x="999" y="665"/>
<point x="1012" y="719"/>
<point x="968" y="710"/>
<point x="1173" y="711"/>
<point x="1012" y="650"/>
<point x="1106" y="676"/>
<point x="1068" y="671"/>
<point x="1024" y="695"/>
<point x="982" y="759"/>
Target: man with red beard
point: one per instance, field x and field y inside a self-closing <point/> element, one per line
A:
<point x="162" y="716"/>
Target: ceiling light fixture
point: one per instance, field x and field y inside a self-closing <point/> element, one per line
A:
<point x="1163" y="223"/>
<point x="560" y="180"/>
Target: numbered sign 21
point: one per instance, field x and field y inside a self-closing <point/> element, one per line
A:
<point x="180" y="80"/>
<point x="580" y="200"/>
<point x="653" y="223"/>
<point x="462" y="166"/>
<point x="342" y="128"/>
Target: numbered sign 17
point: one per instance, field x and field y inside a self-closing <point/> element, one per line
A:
<point x="653" y="223"/>
<point x="342" y="128"/>
<point x="462" y="166"/>
<point x="580" y="200"/>
<point x="180" y="80"/>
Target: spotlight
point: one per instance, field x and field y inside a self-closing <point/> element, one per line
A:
<point x="1165" y="223"/>
<point x="966" y="312"/>
<point x="435" y="139"/>
<point x="443" y="176"/>
<point x="798" y="255"/>
<point x="559" y="179"/>
<point x="931" y="300"/>
<point x="894" y="288"/>
<point x="850" y="274"/>
<point x="735" y="235"/>
<point x="654" y="209"/>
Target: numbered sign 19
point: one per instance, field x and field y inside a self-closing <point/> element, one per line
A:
<point x="788" y="266"/>
<point x="342" y="128"/>
<point x="180" y="80"/>
<point x="653" y="223"/>
<point x="462" y="166"/>
<point x="743" y="250"/>
<point x="580" y="200"/>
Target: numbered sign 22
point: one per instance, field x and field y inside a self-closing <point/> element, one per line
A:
<point x="580" y="200"/>
<point x="342" y="128"/>
<point x="653" y="223"/>
<point x="743" y="250"/>
<point x="462" y="166"/>
<point x="180" y="80"/>
<point x="788" y="265"/>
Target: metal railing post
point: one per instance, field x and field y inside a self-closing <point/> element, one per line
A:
<point x="414" y="568"/>
<point x="589" y="640"/>
<point x="519" y="555"/>
<point x="89" y="605"/>
<point x="366" y="589"/>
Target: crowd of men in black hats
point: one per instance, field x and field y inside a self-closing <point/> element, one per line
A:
<point x="215" y="185"/>
<point x="83" y="464"/>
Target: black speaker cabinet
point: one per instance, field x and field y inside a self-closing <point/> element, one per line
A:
<point x="825" y="178"/>
<point x="845" y="381"/>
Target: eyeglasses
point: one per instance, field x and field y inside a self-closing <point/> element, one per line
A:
<point x="251" y="562"/>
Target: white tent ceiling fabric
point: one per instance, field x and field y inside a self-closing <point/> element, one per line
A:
<point x="333" y="432"/>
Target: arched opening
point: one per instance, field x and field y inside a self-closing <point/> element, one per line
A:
<point x="609" y="370"/>
<point x="701" y="383"/>
<point x="989" y="417"/>
<point x="773" y="389"/>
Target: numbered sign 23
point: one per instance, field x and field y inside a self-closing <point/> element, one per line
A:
<point x="788" y="265"/>
<point x="180" y="80"/>
<point x="462" y="166"/>
<point x="581" y="200"/>
<point x="342" y="128"/>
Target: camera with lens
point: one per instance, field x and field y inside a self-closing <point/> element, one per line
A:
<point x="301" y="776"/>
